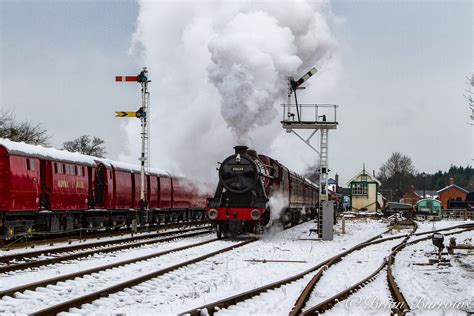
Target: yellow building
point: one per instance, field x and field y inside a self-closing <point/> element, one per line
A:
<point x="363" y="192"/>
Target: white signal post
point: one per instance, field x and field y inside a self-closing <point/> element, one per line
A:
<point x="315" y="117"/>
<point x="142" y="114"/>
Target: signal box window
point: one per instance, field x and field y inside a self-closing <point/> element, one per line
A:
<point x="360" y="189"/>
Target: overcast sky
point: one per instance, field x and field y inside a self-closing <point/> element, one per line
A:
<point x="400" y="83"/>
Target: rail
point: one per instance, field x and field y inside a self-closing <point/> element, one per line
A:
<point x="88" y="298"/>
<point x="43" y="262"/>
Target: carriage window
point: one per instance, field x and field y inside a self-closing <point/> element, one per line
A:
<point x="55" y="168"/>
<point x="28" y="167"/>
<point x="83" y="172"/>
<point x="79" y="171"/>
<point x="73" y="170"/>
<point x="32" y="165"/>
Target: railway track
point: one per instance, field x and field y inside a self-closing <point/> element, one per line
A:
<point x="34" y="259"/>
<point x="7" y="245"/>
<point x="90" y="297"/>
<point x="320" y="268"/>
<point x="401" y="306"/>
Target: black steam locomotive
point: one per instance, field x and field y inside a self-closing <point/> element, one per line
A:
<point x="247" y="182"/>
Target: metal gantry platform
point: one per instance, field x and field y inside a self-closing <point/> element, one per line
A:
<point x="315" y="117"/>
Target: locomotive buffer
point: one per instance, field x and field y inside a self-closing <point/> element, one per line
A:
<point x="314" y="118"/>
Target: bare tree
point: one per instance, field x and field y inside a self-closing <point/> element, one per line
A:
<point x="6" y="121"/>
<point x="397" y="163"/>
<point x="86" y="145"/>
<point x="397" y="174"/>
<point x="23" y="131"/>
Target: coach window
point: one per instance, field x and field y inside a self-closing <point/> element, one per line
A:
<point x="83" y="172"/>
<point x="60" y="168"/>
<point x="78" y="171"/>
<point x="55" y="168"/>
<point x="28" y="164"/>
<point x="32" y="165"/>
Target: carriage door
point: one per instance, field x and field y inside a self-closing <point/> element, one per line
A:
<point x="100" y="187"/>
<point x="44" y="184"/>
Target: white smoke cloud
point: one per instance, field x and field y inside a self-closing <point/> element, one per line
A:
<point x="218" y="72"/>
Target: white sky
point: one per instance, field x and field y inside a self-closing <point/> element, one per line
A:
<point x="400" y="87"/>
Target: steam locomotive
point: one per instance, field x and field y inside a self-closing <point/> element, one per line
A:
<point x="247" y="182"/>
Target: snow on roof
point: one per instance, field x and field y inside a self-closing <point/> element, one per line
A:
<point x="38" y="151"/>
<point x="365" y="173"/>
<point x="41" y="152"/>
<point x="125" y="166"/>
<point x="452" y="186"/>
<point x="310" y="182"/>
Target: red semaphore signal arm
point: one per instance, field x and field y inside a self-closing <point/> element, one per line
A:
<point x="126" y="78"/>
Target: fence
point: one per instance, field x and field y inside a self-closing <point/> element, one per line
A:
<point x="459" y="213"/>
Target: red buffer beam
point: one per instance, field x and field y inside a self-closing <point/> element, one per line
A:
<point x="126" y="78"/>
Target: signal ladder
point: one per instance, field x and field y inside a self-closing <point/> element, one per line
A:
<point x="323" y="156"/>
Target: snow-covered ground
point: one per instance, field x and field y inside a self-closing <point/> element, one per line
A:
<point x="237" y="271"/>
<point x="437" y="289"/>
<point x="16" y="278"/>
<point x="234" y="272"/>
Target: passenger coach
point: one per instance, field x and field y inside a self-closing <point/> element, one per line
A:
<point x="49" y="190"/>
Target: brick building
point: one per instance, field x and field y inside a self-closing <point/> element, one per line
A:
<point x="451" y="192"/>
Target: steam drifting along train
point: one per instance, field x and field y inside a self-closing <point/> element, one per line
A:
<point x="246" y="183"/>
<point x="50" y="190"/>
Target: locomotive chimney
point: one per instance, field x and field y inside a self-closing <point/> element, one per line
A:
<point x="240" y="149"/>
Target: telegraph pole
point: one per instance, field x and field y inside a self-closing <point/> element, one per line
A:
<point x="141" y="113"/>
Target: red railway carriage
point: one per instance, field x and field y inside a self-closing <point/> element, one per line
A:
<point x="246" y="183"/>
<point x="66" y="185"/>
<point x="19" y="181"/>
<point x="166" y="193"/>
<point x="45" y="189"/>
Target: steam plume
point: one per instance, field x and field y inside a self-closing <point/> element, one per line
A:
<point x="218" y="72"/>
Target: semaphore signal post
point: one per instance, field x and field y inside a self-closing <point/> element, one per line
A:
<point x="141" y="114"/>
